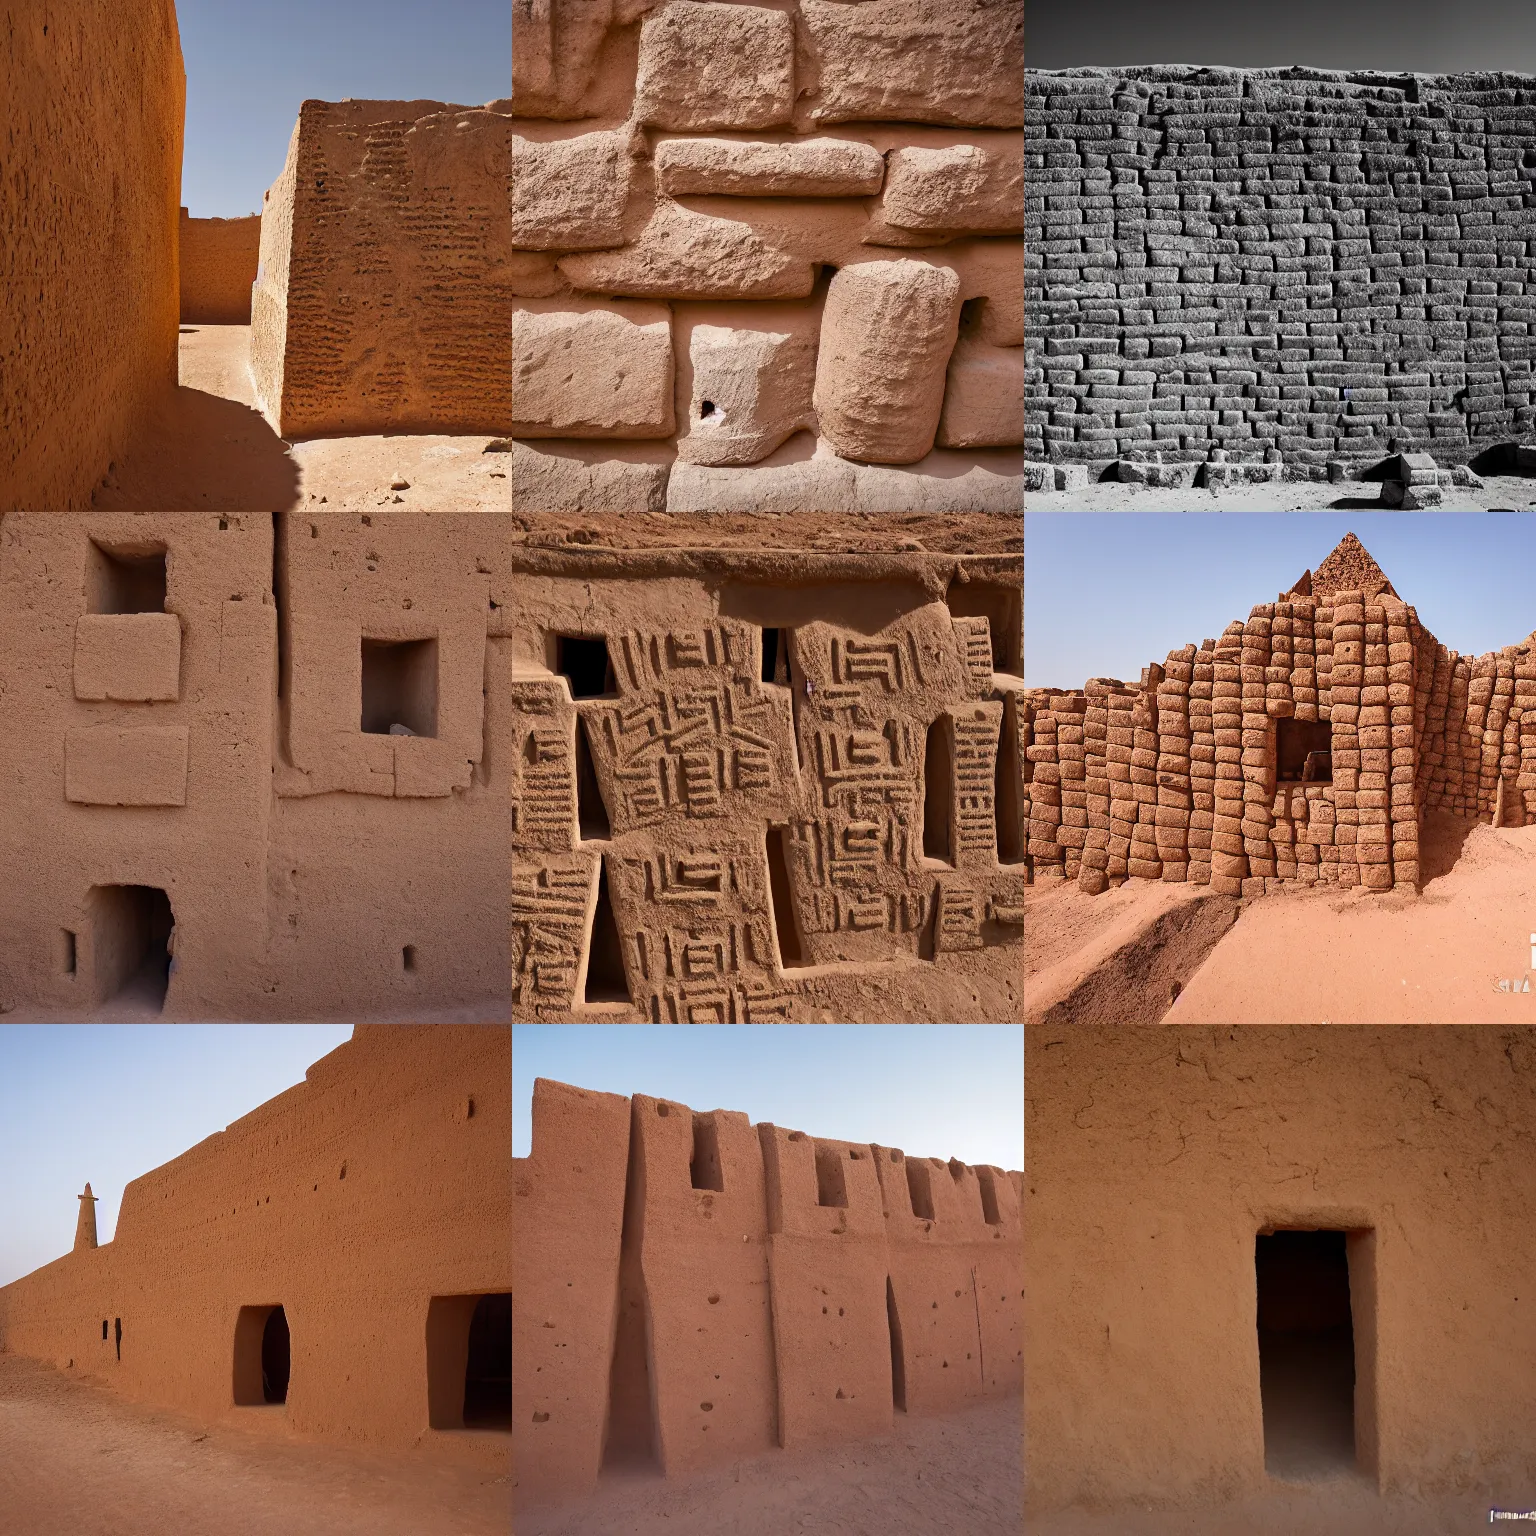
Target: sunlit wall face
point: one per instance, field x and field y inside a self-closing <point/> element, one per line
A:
<point x="934" y="1090"/>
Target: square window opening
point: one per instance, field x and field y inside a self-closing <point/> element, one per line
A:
<point x="125" y="578"/>
<point x="399" y="687"/>
<point x="584" y="663"/>
<point x="1303" y="751"/>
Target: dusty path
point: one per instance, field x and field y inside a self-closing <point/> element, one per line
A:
<point x="961" y="1475"/>
<point x="75" y="1460"/>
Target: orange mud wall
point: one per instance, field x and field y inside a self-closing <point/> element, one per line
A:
<point x="689" y="1289"/>
<point x="1155" y="1159"/>
<point x="352" y="1200"/>
<point x="383" y="301"/>
<point x="89" y="187"/>
<point x="218" y="266"/>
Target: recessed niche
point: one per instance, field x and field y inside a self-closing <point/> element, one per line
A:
<point x="919" y="1190"/>
<point x="831" y="1187"/>
<point x="125" y="578"/>
<point x="399" y="693"/>
<point x="584" y="663"/>
<point x="1303" y="751"/>
<point x="131" y="941"/>
<point x="786" y="925"/>
<point x="1003" y="609"/>
<point x="606" y="979"/>
<point x="939" y="793"/>
<point x="704" y="1170"/>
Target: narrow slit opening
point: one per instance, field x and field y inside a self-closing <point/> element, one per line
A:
<point x="704" y="1171"/>
<point x="606" y="981"/>
<point x="785" y="925"/>
<point x="938" y="793"/>
<point x="591" y="808"/>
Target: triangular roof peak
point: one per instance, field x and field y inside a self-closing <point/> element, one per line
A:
<point x="1350" y="568"/>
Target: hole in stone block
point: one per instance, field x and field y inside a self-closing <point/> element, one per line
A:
<point x="103" y="1330"/>
<point x="704" y="1170"/>
<point x="1528" y="160"/>
<point x="770" y="655"/>
<point x="131" y="943"/>
<point x="988" y="1197"/>
<point x="408" y="957"/>
<point x="591" y="808"/>
<point x="1306" y="1353"/>
<point x="919" y="1191"/>
<point x="1003" y="609"/>
<point x="583" y="661"/>
<point x="1008" y="787"/>
<point x="125" y="578"/>
<point x="831" y="1190"/>
<point x="785" y="924"/>
<point x="938" y="793"/>
<point x="971" y="316"/>
<point x="71" y="952"/>
<point x="898" y="1359"/>
<point x="399" y="687"/>
<point x="606" y="981"/>
<point x="706" y="408"/>
<point x="1304" y="751"/>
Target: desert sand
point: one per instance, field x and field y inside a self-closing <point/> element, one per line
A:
<point x="1507" y="492"/>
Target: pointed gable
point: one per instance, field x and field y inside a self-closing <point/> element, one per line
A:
<point x="1350" y="568"/>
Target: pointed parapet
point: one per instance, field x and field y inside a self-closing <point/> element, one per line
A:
<point x="85" y="1224"/>
<point x="703" y="1254"/>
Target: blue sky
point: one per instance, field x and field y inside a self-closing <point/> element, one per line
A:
<point x="250" y="66"/>
<point x="934" y="1090"/>
<point x="108" y="1102"/>
<point x="1106" y="593"/>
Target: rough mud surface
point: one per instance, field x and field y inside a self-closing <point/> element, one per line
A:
<point x="209" y="448"/>
<point x="962" y="1473"/>
<point x="77" y="1461"/>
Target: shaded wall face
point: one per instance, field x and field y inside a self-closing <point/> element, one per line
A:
<point x="219" y="258"/>
<point x="384" y="296"/>
<point x="1203" y="187"/>
<point x="1179" y="779"/>
<point x="718" y="268"/>
<point x="722" y="786"/>
<point x="1142" y="1209"/>
<point x="359" y="1202"/>
<point x="95" y="97"/>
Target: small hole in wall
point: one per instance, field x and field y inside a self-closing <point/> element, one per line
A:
<point x="408" y="957"/>
<point x="223" y="525"/>
<point x="713" y="1300"/>
<point x="103" y="1330"/>
<point x="1528" y="159"/>
<point x="663" y="1111"/>
<point x="70" y="953"/>
<point x="707" y="1407"/>
<point x="706" y="408"/>
<point x="469" y="1114"/>
<point x="541" y="1418"/>
<point x="797" y="1135"/>
<point x="343" y="1175"/>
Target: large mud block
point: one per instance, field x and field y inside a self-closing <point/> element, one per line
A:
<point x="727" y="167"/>
<point x="592" y="372"/>
<point x="681" y="254"/>
<point x="751" y="390"/>
<point x="131" y="657"/>
<point x="886" y="334"/>
<point x="913" y="61"/>
<point x="820" y="484"/>
<point x="567" y="1222"/>
<point x="962" y="187"/>
<point x="126" y="765"/>
<point x="558" y="44"/>
<point x="547" y="481"/>
<point x="715" y="66"/>
<point x="704" y="1260"/>
<point x="983" y="397"/>
<point x="569" y="194"/>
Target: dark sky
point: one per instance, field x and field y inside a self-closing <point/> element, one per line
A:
<point x="1418" y="35"/>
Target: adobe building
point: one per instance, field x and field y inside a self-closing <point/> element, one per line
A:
<point x="92" y="118"/>
<point x="766" y="787"/>
<point x="1259" y="1256"/>
<point x="383" y="297"/>
<point x="768" y="257"/>
<point x="257" y="765"/>
<point x="218" y="266"/>
<point x="1305" y="744"/>
<point x="334" y="1265"/>
<point x="690" y="1290"/>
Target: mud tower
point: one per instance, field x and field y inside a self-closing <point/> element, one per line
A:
<point x="85" y="1225"/>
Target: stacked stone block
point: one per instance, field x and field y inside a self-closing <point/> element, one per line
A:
<point x="1296" y="262"/>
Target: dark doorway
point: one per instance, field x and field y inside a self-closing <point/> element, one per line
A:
<point x="274" y="1358"/>
<point x="584" y="663"/>
<point x="783" y="903"/>
<point x="1306" y="1353"/>
<point x="488" y="1369"/>
<point x="1008" y="787"/>
<point x="606" y="981"/>
<point x="1303" y="752"/>
<point x="399" y="688"/>
<point x="131" y="934"/>
<point x="117" y="1324"/>
<point x="770" y="655"/>
<point x="591" y="808"/>
<point x="1003" y="609"/>
<point x="938" y="793"/>
<point x="125" y="579"/>
<point x="898" y="1361"/>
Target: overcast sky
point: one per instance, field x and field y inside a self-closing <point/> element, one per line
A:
<point x="1426" y="36"/>
<point x="105" y="1103"/>
<point x="934" y="1090"/>
<point x="249" y="67"/>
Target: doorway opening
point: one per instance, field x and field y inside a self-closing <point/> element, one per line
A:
<point x="274" y="1357"/>
<point x="131" y="943"/>
<point x="591" y="808"/>
<point x="584" y="663"/>
<point x="117" y="1324"/>
<point x="399" y="687"/>
<point x="898" y="1361"/>
<point x="1008" y="787"/>
<point x="262" y="1356"/>
<point x="938" y="793"/>
<point x="785" y="928"/>
<point x="1303" y="751"/>
<point x="769" y="669"/>
<point x="1306" y="1353"/>
<point x="488" y="1366"/>
<point x="606" y="981"/>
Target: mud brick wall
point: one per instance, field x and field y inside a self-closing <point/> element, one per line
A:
<point x="361" y="1260"/>
<point x="787" y="788"/>
<point x="383" y="298"/>
<point x="767" y="257"/>
<point x="219" y="258"/>
<point x="692" y="1289"/>
<point x="89" y="186"/>
<point x="1287" y="262"/>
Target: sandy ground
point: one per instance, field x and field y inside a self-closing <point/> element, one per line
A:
<point x="208" y="448"/>
<point x="961" y="1475"/>
<point x="1507" y="492"/>
<point x="76" y="1460"/>
<point x="1340" y="1506"/>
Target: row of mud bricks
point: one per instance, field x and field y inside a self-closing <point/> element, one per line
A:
<point x="770" y="1290"/>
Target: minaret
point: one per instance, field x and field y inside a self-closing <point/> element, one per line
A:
<point x="85" y="1228"/>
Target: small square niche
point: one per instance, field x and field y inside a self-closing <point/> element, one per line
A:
<point x="125" y="578"/>
<point x="399" y="687"/>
